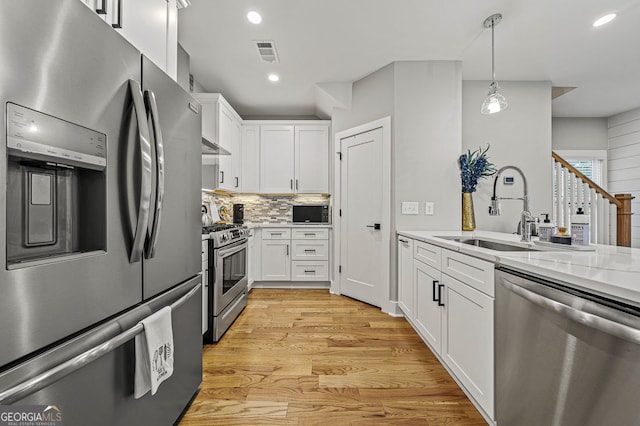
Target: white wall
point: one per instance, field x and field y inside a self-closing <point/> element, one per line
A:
<point x="624" y="163"/>
<point x="372" y="98"/>
<point x="579" y="133"/>
<point x="519" y="136"/>
<point x="427" y="142"/>
<point x="423" y="99"/>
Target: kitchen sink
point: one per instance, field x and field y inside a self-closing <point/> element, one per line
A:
<point x="490" y="244"/>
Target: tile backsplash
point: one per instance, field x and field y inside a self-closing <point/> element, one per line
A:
<point x="265" y="209"/>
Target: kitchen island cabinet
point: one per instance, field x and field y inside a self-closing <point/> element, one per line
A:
<point x="468" y="292"/>
<point x="451" y="315"/>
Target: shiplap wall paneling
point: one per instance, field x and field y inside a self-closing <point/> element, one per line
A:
<point x="624" y="163"/>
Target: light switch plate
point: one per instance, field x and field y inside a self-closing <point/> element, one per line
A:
<point x="410" y="207"/>
<point x="429" y="207"/>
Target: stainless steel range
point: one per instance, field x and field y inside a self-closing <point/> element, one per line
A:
<point x="228" y="281"/>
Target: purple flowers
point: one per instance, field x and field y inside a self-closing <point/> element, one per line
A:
<point x="473" y="167"/>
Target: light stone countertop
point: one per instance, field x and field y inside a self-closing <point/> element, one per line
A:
<point x="610" y="271"/>
<point x="288" y="225"/>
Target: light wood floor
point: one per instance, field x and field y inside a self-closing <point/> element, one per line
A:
<point x="303" y="357"/>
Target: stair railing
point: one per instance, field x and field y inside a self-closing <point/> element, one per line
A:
<point x="574" y="189"/>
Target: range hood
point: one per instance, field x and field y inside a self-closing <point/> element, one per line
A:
<point x="210" y="148"/>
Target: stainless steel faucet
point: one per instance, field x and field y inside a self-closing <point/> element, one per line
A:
<point x="526" y="217"/>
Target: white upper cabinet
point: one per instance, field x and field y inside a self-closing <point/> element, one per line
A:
<point x="150" y="25"/>
<point x="222" y="125"/>
<point x="276" y="159"/>
<point x="294" y="157"/>
<point x="225" y="140"/>
<point x="312" y="159"/>
<point x="236" y="157"/>
<point x="250" y="175"/>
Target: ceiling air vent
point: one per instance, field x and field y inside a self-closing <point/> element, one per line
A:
<point x="267" y="51"/>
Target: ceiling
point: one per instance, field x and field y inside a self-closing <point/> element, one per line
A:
<point x="341" y="41"/>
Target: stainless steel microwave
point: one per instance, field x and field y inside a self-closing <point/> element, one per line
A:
<point x="311" y="214"/>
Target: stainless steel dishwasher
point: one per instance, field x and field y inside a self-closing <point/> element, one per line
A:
<point x="564" y="356"/>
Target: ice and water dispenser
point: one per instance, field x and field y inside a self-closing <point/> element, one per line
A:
<point x="56" y="188"/>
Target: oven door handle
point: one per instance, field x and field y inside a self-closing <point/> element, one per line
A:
<point x="229" y="250"/>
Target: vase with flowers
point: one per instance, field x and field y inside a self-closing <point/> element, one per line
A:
<point x="474" y="165"/>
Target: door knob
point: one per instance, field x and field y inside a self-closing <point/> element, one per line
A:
<point x="375" y="226"/>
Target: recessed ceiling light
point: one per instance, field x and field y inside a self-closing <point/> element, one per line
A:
<point x="273" y="77"/>
<point x="254" y="17"/>
<point x="604" y="20"/>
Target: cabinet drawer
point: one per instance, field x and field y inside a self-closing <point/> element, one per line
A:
<point x="310" y="234"/>
<point x="427" y="253"/>
<point x="310" y="271"/>
<point x="474" y="272"/>
<point x="276" y="233"/>
<point x="310" y="250"/>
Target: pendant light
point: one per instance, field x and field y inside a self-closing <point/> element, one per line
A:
<point x="494" y="102"/>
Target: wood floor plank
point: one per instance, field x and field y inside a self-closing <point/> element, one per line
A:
<point x="307" y="357"/>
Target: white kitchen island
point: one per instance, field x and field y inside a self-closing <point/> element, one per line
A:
<point x="610" y="271"/>
<point x="447" y="292"/>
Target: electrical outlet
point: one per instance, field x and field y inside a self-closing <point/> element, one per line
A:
<point x="410" y="207"/>
<point x="429" y="207"/>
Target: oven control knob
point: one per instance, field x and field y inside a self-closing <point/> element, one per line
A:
<point x="224" y="237"/>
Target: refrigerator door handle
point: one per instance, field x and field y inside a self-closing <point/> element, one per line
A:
<point x="150" y="100"/>
<point x="56" y="373"/>
<point x="145" y="170"/>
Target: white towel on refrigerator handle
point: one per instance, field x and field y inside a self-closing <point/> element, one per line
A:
<point x="154" y="352"/>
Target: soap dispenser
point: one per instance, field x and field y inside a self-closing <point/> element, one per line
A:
<point x="580" y="228"/>
<point x="546" y="229"/>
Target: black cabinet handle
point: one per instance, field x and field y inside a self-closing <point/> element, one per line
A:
<point x="118" y="23"/>
<point x="102" y="10"/>
<point x="292" y="184"/>
<point x="435" y="283"/>
<point x="440" y="287"/>
<point x="237" y="181"/>
<point x="221" y="176"/>
<point x="403" y="241"/>
<point x="306" y="271"/>
<point x="375" y="226"/>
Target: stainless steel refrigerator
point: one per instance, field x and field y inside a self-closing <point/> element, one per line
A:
<point x="99" y="217"/>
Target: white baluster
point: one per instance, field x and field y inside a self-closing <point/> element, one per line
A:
<point x="591" y="211"/>
<point x="575" y="188"/>
<point x="601" y="211"/>
<point x="565" y="202"/>
<point x="581" y="188"/>
<point x="557" y="208"/>
<point x="605" y="219"/>
<point x="593" y="198"/>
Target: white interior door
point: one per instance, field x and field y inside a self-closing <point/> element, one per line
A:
<point x="364" y="249"/>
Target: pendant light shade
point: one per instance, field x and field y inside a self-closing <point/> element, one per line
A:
<point x="494" y="101"/>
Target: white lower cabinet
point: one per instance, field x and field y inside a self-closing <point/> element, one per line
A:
<point x="275" y="260"/>
<point x="452" y="310"/>
<point x="309" y="270"/>
<point x="406" y="281"/>
<point x="429" y="313"/>
<point x="467" y="339"/>
<point x="293" y="254"/>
